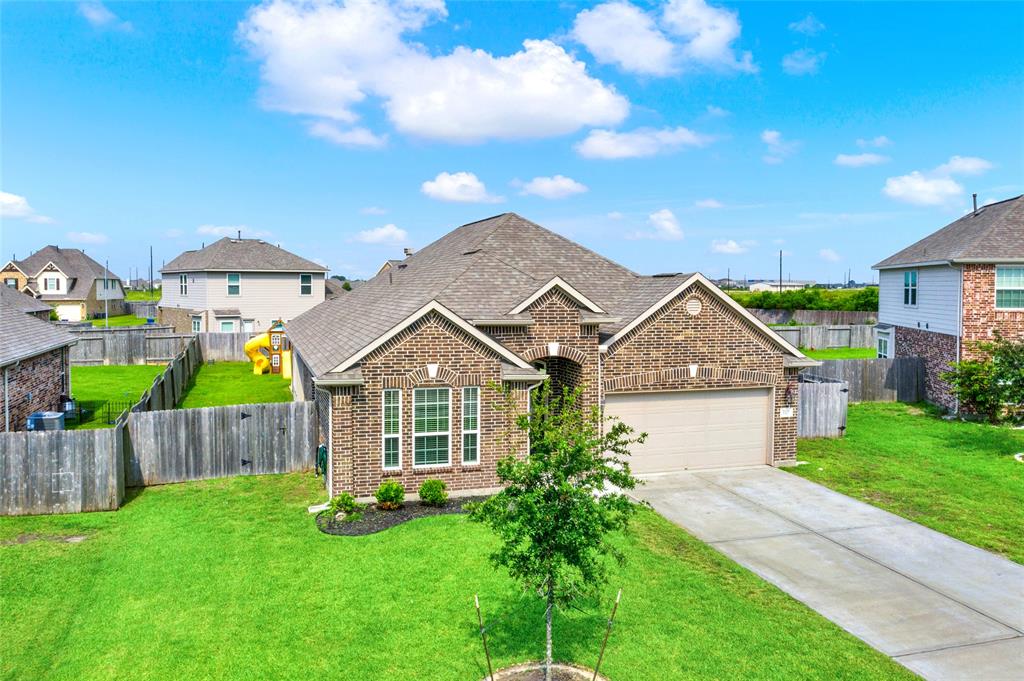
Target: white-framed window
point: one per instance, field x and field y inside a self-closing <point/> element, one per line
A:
<point x="275" y="361"/>
<point x="51" y="283"/>
<point x="471" y="425"/>
<point x="227" y="326"/>
<point x="248" y="325"/>
<point x="883" y="341"/>
<point x="431" y="424"/>
<point x="11" y="281"/>
<point x="234" y="284"/>
<point x="305" y="284"/>
<point x="910" y="288"/>
<point x="1009" y="287"/>
<point x="183" y="284"/>
<point x="197" y="324"/>
<point x="391" y="429"/>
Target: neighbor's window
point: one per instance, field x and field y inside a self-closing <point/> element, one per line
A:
<point x="883" y="345"/>
<point x="392" y="429"/>
<point x="197" y="324"/>
<point x="305" y="284"/>
<point x="1010" y="288"/>
<point x="430" y="426"/>
<point x="910" y="287"/>
<point x="51" y="284"/>
<point x="471" y="425"/>
<point x="13" y="283"/>
<point x="227" y="327"/>
<point x="234" y="283"/>
<point x="183" y="284"/>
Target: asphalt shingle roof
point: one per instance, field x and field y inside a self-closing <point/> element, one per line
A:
<point x="995" y="232"/>
<point x="244" y="255"/>
<point x="80" y="269"/>
<point x="20" y="301"/>
<point x="479" y="271"/>
<point x="26" y="336"/>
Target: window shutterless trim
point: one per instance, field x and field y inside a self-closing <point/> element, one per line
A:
<point x="303" y="285"/>
<point x="910" y="281"/>
<point x="444" y="433"/>
<point x="227" y="280"/>
<point x="470" y="431"/>
<point x="384" y="436"/>
<point x="999" y="288"/>
<point x="182" y="284"/>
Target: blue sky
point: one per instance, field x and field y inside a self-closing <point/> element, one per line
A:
<point x="670" y="137"/>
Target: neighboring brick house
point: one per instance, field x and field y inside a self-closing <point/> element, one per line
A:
<point x="73" y="284"/>
<point x="409" y="359"/>
<point x="35" y="365"/>
<point x="960" y="285"/>
<point x="237" y="285"/>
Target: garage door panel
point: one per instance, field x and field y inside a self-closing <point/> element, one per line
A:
<point x="696" y="429"/>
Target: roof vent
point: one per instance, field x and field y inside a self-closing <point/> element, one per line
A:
<point x="975" y="197"/>
<point x="667" y="274"/>
<point x="408" y="251"/>
<point x="471" y="252"/>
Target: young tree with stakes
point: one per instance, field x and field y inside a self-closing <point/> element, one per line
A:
<point x="561" y="500"/>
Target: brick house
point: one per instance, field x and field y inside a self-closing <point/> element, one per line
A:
<point x="960" y="285"/>
<point x="35" y="363"/>
<point x="73" y="284"/>
<point x="408" y="359"/>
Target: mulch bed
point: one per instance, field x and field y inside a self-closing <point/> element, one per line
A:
<point x="534" y="671"/>
<point x="377" y="520"/>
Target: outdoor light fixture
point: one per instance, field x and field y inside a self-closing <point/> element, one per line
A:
<point x="432" y="370"/>
<point x="693" y="371"/>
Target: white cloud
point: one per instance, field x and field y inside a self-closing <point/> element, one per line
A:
<point x="353" y="137"/>
<point x="731" y="246"/>
<point x="684" y="35"/>
<point x="876" y="142"/>
<point x="717" y="111"/>
<point x="87" y="237"/>
<point x="623" y="34"/>
<point x="809" y="25"/>
<point x="557" y="187"/>
<point x="664" y="226"/>
<point x="373" y="210"/>
<point x="459" y="187"/>
<point x="708" y="203"/>
<point x="232" y="231"/>
<point x="97" y="14"/>
<point x="936" y="187"/>
<point x="326" y="59"/>
<point x="615" y="215"/>
<point x="639" y="143"/>
<point x="828" y="255"/>
<point x="803" y="62"/>
<point x="860" y="160"/>
<point x="17" y="207"/>
<point x="388" y="234"/>
<point x="778" y="147"/>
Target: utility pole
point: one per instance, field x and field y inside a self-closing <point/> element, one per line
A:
<point x="728" y="277"/>
<point x="780" y="271"/>
<point x="150" y="271"/>
<point x="106" y="294"/>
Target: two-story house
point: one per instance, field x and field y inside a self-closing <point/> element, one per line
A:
<point x="237" y="285"/>
<point x="75" y="285"/>
<point x="960" y="285"/>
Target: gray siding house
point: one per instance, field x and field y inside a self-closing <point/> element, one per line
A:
<point x="238" y="285"/>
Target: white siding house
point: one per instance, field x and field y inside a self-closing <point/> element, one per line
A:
<point x="933" y="306"/>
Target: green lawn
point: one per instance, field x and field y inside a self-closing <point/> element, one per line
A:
<point x="120" y="320"/>
<point x="94" y="386"/>
<point x="958" y="478"/>
<point x="224" y="383"/>
<point x="229" y="579"/>
<point x="840" y="353"/>
<point x="142" y="295"/>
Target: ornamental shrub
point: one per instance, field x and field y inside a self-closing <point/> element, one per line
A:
<point x="434" y="492"/>
<point x="344" y="503"/>
<point x="390" y="495"/>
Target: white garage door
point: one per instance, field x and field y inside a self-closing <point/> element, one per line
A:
<point x="70" y="312"/>
<point x="695" y="429"/>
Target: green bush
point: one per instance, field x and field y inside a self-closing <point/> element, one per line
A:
<point x="993" y="385"/>
<point x="434" y="492"/>
<point x="390" y="495"/>
<point x="344" y="503"/>
<point x="860" y="299"/>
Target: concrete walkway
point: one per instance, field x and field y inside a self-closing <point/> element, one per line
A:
<point x="942" y="608"/>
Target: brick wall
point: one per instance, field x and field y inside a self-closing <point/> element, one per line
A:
<point x="729" y="352"/>
<point x="937" y="350"/>
<point x="401" y="363"/>
<point x="981" y="318"/>
<point x="36" y="384"/>
<point x="179" y="318"/>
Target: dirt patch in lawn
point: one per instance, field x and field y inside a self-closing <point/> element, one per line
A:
<point x="375" y="519"/>
<point x="30" y="537"/>
<point x="534" y="671"/>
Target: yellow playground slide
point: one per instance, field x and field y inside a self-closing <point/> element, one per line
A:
<point x="261" y="364"/>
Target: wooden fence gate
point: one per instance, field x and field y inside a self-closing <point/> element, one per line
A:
<point x="822" y="410"/>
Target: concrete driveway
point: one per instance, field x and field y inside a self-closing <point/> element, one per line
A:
<point x="942" y="608"/>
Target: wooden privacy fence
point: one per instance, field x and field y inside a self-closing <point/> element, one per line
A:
<point x="64" y="471"/>
<point x="224" y="347"/>
<point x="838" y="336"/>
<point x="811" y="317"/>
<point x="822" y="407"/>
<point x="169" y="387"/>
<point x="128" y="345"/>
<point x="877" y="380"/>
<point x="214" y="442"/>
<point x="142" y="308"/>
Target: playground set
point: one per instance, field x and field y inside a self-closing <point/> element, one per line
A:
<point x="271" y="352"/>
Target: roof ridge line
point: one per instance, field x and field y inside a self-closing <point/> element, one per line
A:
<point x="574" y="243"/>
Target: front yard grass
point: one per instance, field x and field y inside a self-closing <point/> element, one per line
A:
<point x="120" y="320"/>
<point x="840" y="353"/>
<point x="230" y="579"/>
<point x="958" y="478"/>
<point x="227" y="383"/>
<point x="94" y="386"/>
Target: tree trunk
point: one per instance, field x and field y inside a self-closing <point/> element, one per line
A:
<point x="547" y="654"/>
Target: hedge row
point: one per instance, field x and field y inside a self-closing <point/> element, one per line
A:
<point x="864" y="299"/>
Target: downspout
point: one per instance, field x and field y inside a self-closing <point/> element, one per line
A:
<point x="959" y="328"/>
<point x="7" y="403"/>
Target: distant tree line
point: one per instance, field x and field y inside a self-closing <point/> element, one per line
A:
<point x="862" y="299"/>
